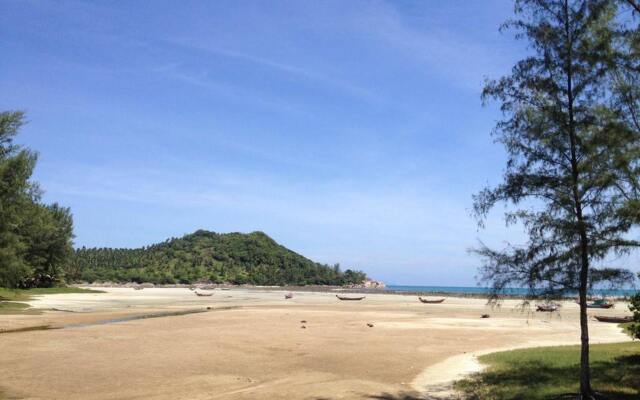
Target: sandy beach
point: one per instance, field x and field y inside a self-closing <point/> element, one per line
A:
<point x="252" y="344"/>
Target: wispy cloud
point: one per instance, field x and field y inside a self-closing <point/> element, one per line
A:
<point x="390" y="211"/>
<point x="308" y="74"/>
<point x="229" y="91"/>
<point x="461" y="61"/>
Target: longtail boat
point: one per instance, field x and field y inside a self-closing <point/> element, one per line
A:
<point x="350" y="297"/>
<point x="427" y="301"/>
<point x="600" y="304"/>
<point x="547" y="307"/>
<point x="616" y="320"/>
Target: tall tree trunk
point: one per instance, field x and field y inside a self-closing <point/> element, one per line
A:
<point x="585" y="373"/>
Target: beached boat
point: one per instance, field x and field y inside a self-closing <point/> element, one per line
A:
<point x="600" y="304"/>
<point x="615" y="320"/>
<point x="288" y="296"/>
<point x="204" y="294"/>
<point x="350" y="297"/>
<point x="428" y="301"/>
<point x="608" y="305"/>
<point x="547" y="307"/>
<point x="138" y="288"/>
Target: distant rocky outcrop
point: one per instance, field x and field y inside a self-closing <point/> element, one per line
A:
<point x="373" y="284"/>
<point x="368" y="284"/>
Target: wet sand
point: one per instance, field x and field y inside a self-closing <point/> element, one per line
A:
<point x="252" y="344"/>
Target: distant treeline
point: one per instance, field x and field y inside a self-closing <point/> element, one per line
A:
<point x="236" y="258"/>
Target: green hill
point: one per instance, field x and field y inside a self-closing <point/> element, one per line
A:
<point x="235" y="258"/>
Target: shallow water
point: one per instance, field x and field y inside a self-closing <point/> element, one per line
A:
<point x="509" y="291"/>
<point x="115" y="320"/>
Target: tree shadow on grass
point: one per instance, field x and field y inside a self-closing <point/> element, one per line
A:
<point x="402" y="396"/>
<point x="399" y="396"/>
<point x="618" y="379"/>
<point x="444" y="393"/>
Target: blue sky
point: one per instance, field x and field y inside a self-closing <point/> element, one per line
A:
<point x="349" y="131"/>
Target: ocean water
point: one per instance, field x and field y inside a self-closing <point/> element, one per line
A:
<point x="509" y="291"/>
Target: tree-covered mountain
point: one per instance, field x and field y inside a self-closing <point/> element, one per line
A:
<point x="236" y="258"/>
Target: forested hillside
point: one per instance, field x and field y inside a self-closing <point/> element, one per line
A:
<point x="236" y="258"/>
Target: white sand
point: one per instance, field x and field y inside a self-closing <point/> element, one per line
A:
<point x="254" y="346"/>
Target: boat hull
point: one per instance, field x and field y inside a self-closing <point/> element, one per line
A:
<point x="613" y="320"/>
<point x="346" y="298"/>
<point x="427" y="301"/>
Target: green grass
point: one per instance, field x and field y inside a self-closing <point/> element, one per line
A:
<point x="10" y="299"/>
<point x="8" y="307"/>
<point x="553" y="372"/>
<point x="626" y="327"/>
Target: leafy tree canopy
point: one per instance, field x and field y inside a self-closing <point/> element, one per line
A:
<point x="35" y="239"/>
<point x="571" y="135"/>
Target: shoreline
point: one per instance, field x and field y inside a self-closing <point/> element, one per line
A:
<point x="338" y="289"/>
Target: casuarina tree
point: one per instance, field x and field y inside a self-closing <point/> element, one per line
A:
<point x="573" y="159"/>
<point x="35" y="239"/>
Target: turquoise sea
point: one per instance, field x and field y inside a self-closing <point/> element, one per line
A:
<point x="510" y="291"/>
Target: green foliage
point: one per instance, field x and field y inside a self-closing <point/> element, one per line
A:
<point x="551" y="372"/>
<point x="573" y="156"/>
<point x="634" y="306"/>
<point x="236" y="258"/>
<point x="35" y="239"/>
<point x="573" y="145"/>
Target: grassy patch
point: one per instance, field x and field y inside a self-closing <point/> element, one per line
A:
<point x="10" y="298"/>
<point x="10" y="307"/>
<point x="626" y="327"/>
<point x="551" y="372"/>
<point x="28" y="329"/>
<point x="25" y="294"/>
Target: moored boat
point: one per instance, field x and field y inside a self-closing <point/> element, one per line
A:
<point x="430" y="301"/>
<point x="203" y="294"/>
